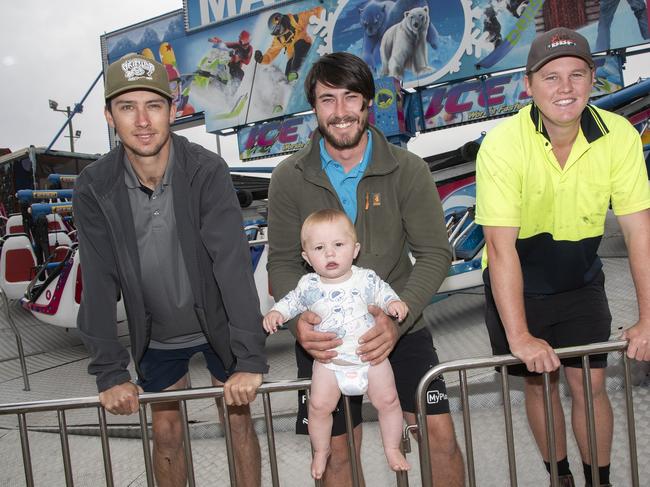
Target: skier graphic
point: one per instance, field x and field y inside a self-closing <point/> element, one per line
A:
<point x="289" y="33"/>
<point x="241" y="52"/>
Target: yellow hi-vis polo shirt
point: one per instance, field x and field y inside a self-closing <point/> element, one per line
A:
<point x="560" y="212"/>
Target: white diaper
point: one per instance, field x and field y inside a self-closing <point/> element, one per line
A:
<point x="353" y="379"/>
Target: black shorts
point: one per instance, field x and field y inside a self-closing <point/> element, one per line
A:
<point x="163" y="368"/>
<point x="412" y="357"/>
<point x="567" y="319"/>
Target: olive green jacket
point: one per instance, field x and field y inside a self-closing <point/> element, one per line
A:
<point x="398" y="210"/>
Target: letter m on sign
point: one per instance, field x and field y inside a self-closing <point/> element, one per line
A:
<point x="218" y="9"/>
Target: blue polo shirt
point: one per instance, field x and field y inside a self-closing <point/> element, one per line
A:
<point x="344" y="184"/>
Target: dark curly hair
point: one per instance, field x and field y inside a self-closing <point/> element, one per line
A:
<point x="340" y="70"/>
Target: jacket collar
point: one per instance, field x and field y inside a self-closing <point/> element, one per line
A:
<point x="109" y="177"/>
<point x="592" y="124"/>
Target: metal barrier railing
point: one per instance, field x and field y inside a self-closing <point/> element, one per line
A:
<point x="21" y="410"/>
<point x="502" y="362"/>
<point x="61" y="406"/>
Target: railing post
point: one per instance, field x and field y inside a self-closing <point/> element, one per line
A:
<point x="65" y="448"/>
<point x="106" y="450"/>
<point x="591" y="422"/>
<point x="631" y="430"/>
<point x="270" y="438"/>
<point x="24" y="443"/>
<point x="467" y="425"/>
<point x="354" y="461"/>
<point x="423" y="436"/>
<point x="232" y="469"/>
<point x="507" y="415"/>
<point x="187" y="446"/>
<point x="144" y="431"/>
<point x="550" y="428"/>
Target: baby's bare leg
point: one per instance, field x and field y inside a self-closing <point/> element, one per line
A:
<point x="382" y="393"/>
<point x="324" y="395"/>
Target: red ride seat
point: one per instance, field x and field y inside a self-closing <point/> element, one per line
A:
<point x="17" y="265"/>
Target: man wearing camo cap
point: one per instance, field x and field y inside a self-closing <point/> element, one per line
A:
<point x="159" y="224"/>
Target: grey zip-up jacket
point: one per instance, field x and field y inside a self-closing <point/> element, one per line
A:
<point x="398" y="209"/>
<point x="214" y="247"/>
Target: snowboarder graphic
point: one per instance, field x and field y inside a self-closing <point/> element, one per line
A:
<point x="289" y="32"/>
<point x="492" y="26"/>
<point x="241" y="52"/>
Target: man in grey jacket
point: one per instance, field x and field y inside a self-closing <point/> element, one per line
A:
<point x="390" y="196"/>
<point x="158" y="221"/>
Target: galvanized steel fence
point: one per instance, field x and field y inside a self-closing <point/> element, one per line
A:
<point x="21" y="410"/>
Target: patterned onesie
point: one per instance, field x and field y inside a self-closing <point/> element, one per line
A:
<point x="343" y="309"/>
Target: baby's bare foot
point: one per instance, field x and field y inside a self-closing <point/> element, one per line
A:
<point x="396" y="460"/>
<point x="319" y="462"/>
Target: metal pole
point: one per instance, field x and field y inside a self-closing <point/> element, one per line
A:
<point x="144" y="430"/>
<point x="65" y="448"/>
<point x="467" y="425"/>
<point x="354" y="465"/>
<point x="270" y="438"/>
<point x="507" y="415"/>
<point x="423" y="434"/>
<point x="591" y="421"/>
<point x="232" y="469"/>
<point x="550" y="429"/>
<point x="72" y="115"/>
<point x="189" y="463"/>
<point x="19" y="341"/>
<point x="106" y="450"/>
<point x="67" y="111"/>
<point x="24" y="444"/>
<point x="631" y="431"/>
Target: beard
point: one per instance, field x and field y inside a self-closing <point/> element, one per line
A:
<point x="347" y="141"/>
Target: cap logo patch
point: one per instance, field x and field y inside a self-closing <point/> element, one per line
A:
<point x="138" y="68"/>
<point x="558" y="41"/>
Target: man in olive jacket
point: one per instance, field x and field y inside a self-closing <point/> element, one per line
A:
<point x="390" y="196"/>
<point x="158" y="221"/>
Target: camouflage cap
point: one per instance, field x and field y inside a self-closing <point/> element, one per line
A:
<point x="556" y="43"/>
<point x="136" y="72"/>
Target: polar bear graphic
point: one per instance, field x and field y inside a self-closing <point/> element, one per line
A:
<point x="404" y="45"/>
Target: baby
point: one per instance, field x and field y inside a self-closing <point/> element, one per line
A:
<point x="340" y="294"/>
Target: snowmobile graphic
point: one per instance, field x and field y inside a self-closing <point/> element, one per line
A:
<point x="213" y="67"/>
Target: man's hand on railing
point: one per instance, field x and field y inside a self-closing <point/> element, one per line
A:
<point x="536" y="353"/>
<point x="241" y="388"/>
<point x="638" y="338"/>
<point x="121" y="399"/>
<point x="318" y="344"/>
<point x="379" y="341"/>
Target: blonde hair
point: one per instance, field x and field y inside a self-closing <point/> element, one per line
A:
<point x="328" y="215"/>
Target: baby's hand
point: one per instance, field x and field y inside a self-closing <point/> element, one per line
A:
<point x="398" y="309"/>
<point x="272" y="320"/>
